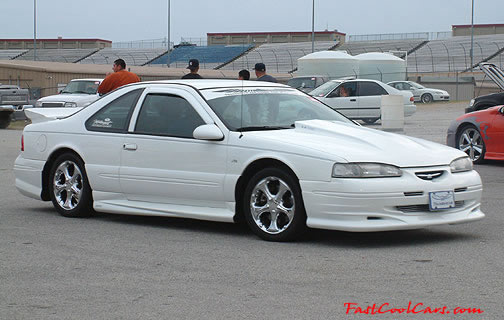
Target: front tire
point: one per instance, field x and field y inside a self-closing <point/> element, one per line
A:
<point x="370" y="120"/>
<point x="427" y="98"/>
<point x="273" y="205"/>
<point x="69" y="187"/>
<point x="471" y="142"/>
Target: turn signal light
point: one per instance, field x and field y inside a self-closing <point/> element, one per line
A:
<point x="22" y="142"/>
<point x="411" y="99"/>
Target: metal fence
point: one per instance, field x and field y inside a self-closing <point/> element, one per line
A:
<point x="143" y="44"/>
<point x="400" y="36"/>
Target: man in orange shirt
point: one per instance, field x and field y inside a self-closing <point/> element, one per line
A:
<point x="119" y="78"/>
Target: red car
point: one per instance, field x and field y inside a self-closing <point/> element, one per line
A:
<point x="480" y="134"/>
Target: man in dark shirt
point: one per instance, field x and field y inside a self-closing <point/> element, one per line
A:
<point x="260" y="71"/>
<point x="244" y="75"/>
<point x="193" y="68"/>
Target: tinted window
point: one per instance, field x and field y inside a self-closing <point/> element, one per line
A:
<point x="371" y="89"/>
<point x="114" y="117"/>
<point x="347" y="89"/>
<point x="167" y="115"/>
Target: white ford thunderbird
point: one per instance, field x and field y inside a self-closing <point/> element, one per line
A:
<point x="229" y="150"/>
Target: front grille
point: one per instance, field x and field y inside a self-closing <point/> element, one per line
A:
<point x="424" y="207"/>
<point x="429" y="175"/>
<point x="413" y="193"/>
<point x="461" y="189"/>
<point x="53" y="104"/>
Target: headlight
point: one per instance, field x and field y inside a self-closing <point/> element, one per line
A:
<point x="70" y="104"/>
<point x="461" y="165"/>
<point x="365" y="170"/>
<point x="38" y="104"/>
<point x="471" y="103"/>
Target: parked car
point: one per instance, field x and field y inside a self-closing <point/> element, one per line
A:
<point x="480" y="134"/>
<point x="421" y="93"/>
<point x="493" y="99"/>
<point x="227" y="150"/>
<point x="12" y="98"/>
<point x="360" y="98"/>
<point x="77" y="93"/>
<point x="308" y="83"/>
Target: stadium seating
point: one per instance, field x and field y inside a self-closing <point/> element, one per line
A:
<point x="132" y="57"/>
<point x="57" y="55"/>
<point x="208" y="56"/>
<point x="10" y="54"/>
<point x="278" y="57"/>
<point x="357" y="47"/>
<point x="453" y="54"/>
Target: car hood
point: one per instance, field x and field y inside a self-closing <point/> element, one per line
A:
<point x="340" y="141"/>
<point x="499" y="96"/>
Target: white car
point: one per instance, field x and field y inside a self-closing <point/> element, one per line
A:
<point x="360" y="98"/>
<point x="77" y="93"/>
<point x="421" y="93"/>
<point x="226" y="150"/>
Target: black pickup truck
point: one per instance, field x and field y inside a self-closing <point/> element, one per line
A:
<point x="493" y="99"/>
<point x="11" y="98"/>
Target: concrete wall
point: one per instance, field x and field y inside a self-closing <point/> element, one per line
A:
<point x="479" y="30"/>
<point x="273" y="37"/>
<point x="54" y="43"/>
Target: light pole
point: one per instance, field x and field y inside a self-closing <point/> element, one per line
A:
<point x="34" y="30"/>
<point x="472" y="35"/>
<point x="168" y="37"/>
<point x="313" y="27"/>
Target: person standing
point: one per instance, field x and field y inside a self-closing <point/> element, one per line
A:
<point x="193" y="68"/>
<point x="118" y="78"/>
<point x="260" y="71"/>
<point x="244" y="75"/>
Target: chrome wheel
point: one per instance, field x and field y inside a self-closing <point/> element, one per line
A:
<point x="272" y="205"/>
<point x="427" y="98"/>
<point x="67" y="185"/>
<point x="471" y="142"/>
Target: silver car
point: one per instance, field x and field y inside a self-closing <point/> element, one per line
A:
<point x="421" y="93"/>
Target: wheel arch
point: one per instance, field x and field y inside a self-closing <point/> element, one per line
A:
<point x="47" y="169"/>
<point x="252" y="168"/>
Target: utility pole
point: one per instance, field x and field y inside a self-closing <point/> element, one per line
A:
<point x="313" y="27"/>
<point x="34" y="30"/>
<point x="472" y="36"/>
<point x="168" y="60"/>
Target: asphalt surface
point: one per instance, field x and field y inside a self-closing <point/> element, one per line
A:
<point x="129" y="267"/>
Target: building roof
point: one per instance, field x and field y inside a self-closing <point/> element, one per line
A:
<point x="56" y="40"/>
<point x="477" y="25"/>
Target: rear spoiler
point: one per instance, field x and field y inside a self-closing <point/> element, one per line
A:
<point x="494" y="73"/>
<point x="49" y="114"/>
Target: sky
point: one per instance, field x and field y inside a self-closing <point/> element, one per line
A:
<point x="129" y="20"/>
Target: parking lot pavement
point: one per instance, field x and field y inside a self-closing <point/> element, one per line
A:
<point x="130" y="267"/>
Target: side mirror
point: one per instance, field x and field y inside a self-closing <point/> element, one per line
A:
<point x="501" y="110"/>
<point x="208" y="132"/>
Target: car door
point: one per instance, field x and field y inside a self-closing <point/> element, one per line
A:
<point x="344" y="99"/>
<point x="161" y="162"/>
<point x="370" y="99"/>
<point x="495" y="133"/>
<point x="414" y="90"/>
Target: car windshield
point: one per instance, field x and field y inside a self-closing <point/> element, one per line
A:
<point x="302" y="82"/>
<point x="254" y="108"/>
<point x="324" y="89"/>
<point x="416" y="85"/>
<point x="82" y="86"/>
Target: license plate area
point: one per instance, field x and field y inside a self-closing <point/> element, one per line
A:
<point x="441" y="200"/>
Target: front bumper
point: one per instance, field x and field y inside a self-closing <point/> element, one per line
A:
<point x="362" y="205"/>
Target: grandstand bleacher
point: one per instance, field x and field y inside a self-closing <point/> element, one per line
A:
<point x="453" y="54"/>
<point x="209" y="56"/>
<point x="132" y="57"/>
<point x="57" y="55"/>
<point x="357" y="47"/>
<point x="278" y="57"/>
<point x="11" y="54"/>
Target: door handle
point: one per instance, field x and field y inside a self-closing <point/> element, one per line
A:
<point x="353" y="100"/>
<point x="130" y="146"/>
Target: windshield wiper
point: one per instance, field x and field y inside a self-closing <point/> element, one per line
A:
<point x="262" y="128"/>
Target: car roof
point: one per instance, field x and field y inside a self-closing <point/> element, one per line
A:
<point x="202" y="84"/>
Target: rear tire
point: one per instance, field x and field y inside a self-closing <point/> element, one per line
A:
<point x="5" y="120"/>
<point x="273" y="205"/>
<point x="69" y="187"/>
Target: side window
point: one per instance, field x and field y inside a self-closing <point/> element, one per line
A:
<point x="406" y="86"/>
<point x="347" y="89"/>
<point x="167" y="115"/>
<point x="114" y="117"/>
<point x="371" y="89"/>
